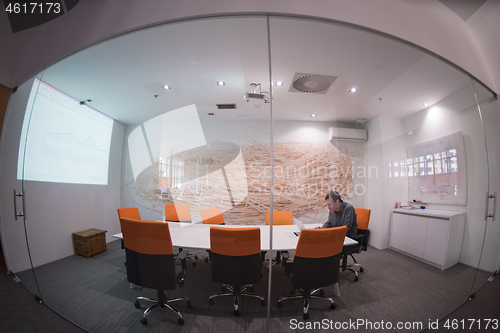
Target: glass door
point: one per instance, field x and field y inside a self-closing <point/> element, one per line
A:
<point x="488" y="109"/>
<point x="412" y="136"/>
<point x="186" y="137"/>
<point x="18" y="226"/>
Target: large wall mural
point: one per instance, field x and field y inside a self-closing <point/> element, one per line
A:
<point x="172" y="162"/>
<point x="237" y="179"/>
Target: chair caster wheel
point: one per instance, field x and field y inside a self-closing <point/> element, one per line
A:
<point x="195" y="257"/>
<point x="305" y="316"/>
<point x="194" y="263"/>
<point x="263" y="302"/>
<point x="181" y="284"/>
<point x="180" y="321"/>
<point x="322" y="292"/>
<point x="206" y="259"/>
<point x="356" y="279"/>
<point x="236" y="312"/>
<point x="188" y="304"/>
<point x="211" y="301"/>
<point x="137" y="304"/>
<point x="280" y="305"/>
<point x="361" y="269"/>
<point x="333" y="306"/>
<point x="144" y="321"/>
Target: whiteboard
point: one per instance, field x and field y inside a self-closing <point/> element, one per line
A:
<point x="436" y="171"/>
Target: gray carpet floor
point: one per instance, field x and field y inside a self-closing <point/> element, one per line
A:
<point x="95" y="294"/>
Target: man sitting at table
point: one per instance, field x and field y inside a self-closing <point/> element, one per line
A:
<point x="341" y="213"/>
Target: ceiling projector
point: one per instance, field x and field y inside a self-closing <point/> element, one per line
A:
<point x="255" y="99"/>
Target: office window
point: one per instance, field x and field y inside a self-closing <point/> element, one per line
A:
<point x="171" y="173"/>
<point x="436" y="171"/>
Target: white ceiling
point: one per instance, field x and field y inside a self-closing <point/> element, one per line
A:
<point x="122" y="76"/>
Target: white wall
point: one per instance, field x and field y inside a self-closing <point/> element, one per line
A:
<point x="387" y="143"/>
<point x="53" y="210"/>
<point x="485" y="25"/>
<point x="472" y="45"/>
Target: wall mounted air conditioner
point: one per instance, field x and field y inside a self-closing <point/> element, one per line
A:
<point x="352" y="134"/>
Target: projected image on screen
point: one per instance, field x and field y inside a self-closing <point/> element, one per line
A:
<point x="63" y="141"/>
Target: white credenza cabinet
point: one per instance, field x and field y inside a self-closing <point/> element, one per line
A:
<point x="434" y="236"/>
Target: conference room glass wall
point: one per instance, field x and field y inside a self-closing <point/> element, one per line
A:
<point x="170" y="145"/>
<point x="16" y="223"/>
<point x="181" y="114"/>
<point x="414" y="133"/>
<point x="489" y="255"/>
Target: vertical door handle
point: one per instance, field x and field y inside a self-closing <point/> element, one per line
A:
<point x="18" y="194"/>
<point x="488" y="197"/>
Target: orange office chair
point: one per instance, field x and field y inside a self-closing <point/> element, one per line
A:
<point x="151" y="262"/>
<point x="279" y="218"/>
<point x="235" y="260"/>
<point x="177" y="213"/>
<point x="131" y="212"/>
<point x="212" y="216"/>
<point x="315" y="264"/>
<point x="180" y="213"/>
<point x="363" y="219"/>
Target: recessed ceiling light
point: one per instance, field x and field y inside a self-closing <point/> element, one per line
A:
<point x="353" y="89"/>
<point x="279" y="83"/>
<point x="221" y="83"/>
<point x="426" y="104"/>
<point x="166" y="87"/>
<point x="313" y="115"/>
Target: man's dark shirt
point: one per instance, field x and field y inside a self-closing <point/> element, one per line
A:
<point x="345" y="216"/>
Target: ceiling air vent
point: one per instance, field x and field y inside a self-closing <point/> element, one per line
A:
<point x="226" y="106"/>
<point x="311" y="83"/>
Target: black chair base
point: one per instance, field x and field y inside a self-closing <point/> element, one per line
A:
<point x="307" y="295"/>
<point x="164" y="302"/>
<point x="188" y="256"/>
<point x="346" y="266"/>
<point x="276" y="261"/>
<point x="236" y="292"/>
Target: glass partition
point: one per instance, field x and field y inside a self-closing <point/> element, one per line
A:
<point x="387" y="126"/>
<point x="488" y="230"/>
<point x="18" y="224"/>
<point x="182" y="130"/>
<point x="181" y="114"/>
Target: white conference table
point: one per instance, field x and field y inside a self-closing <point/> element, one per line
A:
<point x="197" y="235"/>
